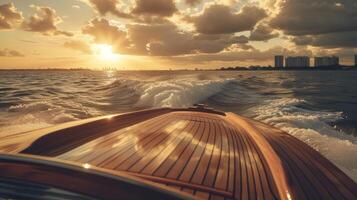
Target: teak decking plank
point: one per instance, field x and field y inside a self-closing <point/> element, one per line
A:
<point x="223" y="169"/>
<point x="165" y="166"/>
<point x="198" y="176"/>
<point x="231" y="174"/>
<point x="155" y="164"/>
<point x="67" y="139"/>
<point x="184" y="185"/>
<point x="151" y="147"/>
<point x="214" y="162"/>
<point x="236" y="178"/>
<point x="156" y="160"/>
<point x="125" y="144"/>
<point x="129" y="150"/>
<point x="105" y="139"/>
<point x="177" y="169"/>
<point x="196" y="156"/>
<point x="250" y="168"/>
<point x="241" y="186"/>
<point x="109" y="140"/>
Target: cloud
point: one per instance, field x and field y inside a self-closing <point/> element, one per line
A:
<point x="319" y="23"/>
<point x="163" y="8"/>
<point x="314" y="17"/>
<point x="76" y="6"/>
<point x="9" y="16"/>
<point x="193" y="2"/>
<point x="161" y="39"/>
<point x="331" y="40"/>
<point x="262" y="32"/>
<point x="103" y="32"/>
<point x="104" y="7"/>
<point x="168" y="40"/>
<point x="45" y="22"/>
<point x="10" y="53"/>
<point x="78" y="45"/>
<point x="242" y="39"/>
<point x="220" y="19"/>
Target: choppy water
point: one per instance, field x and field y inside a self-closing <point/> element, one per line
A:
<point x="319" y="108"/>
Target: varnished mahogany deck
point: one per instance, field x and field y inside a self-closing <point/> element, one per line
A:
<point x="206" y="155"/>
<point x="195" y="153"/>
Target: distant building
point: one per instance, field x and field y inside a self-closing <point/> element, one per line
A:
<point x="299" y="61"/>
<point x="356" y="60"/>
<point x="327" y="61"/>
<point x="279" y="61"/>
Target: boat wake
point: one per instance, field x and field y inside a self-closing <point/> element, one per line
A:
<point x="313" y="128"/>
<point x="178" y="93"/>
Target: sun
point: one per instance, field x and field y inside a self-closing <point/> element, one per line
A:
<point x="105" y="52"/>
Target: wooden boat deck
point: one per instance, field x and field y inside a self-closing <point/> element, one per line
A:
<point x="210" y="156"/>
<point x="193" y="153"/>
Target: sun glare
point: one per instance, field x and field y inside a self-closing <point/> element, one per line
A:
<point x="105" y="52"/>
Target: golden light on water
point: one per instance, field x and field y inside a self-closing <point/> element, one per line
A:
<point x="105" y="52"/>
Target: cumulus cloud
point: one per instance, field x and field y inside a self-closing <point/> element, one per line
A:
<point x="168" y="40"/>
<point x="9" y="16"/>
<point x="163" y="8"/>
<point x="319" y="23"/>
<point x="104" y="7"/>
<point x="45" y="22"/>
<point x="160" y="39"/>
<point x="10" y="53"/>
<point x="331" y="40"/>
<point x="103" y="32"/>
<point x="192" y="2"/>
<point x="220" y="19"/>
<point x="78" y="45"/>
<point x="262" y="32"/>
<point x="313" y="17"/>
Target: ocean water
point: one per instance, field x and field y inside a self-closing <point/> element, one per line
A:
<point x="317" y="107"/>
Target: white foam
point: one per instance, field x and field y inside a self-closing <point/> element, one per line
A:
<point x="178" y="93"/>
<point x="312" y="128"/>
<point x="31" y="107"/>
<point x="31" y="116"/>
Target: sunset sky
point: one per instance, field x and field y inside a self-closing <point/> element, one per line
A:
<point x="178" y="34"/>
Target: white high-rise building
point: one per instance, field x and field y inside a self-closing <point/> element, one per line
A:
<point x="298" y="61"/>
<point x="327" y="61"/>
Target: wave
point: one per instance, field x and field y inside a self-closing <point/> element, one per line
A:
<point x="313" y="128"/>
<point x="163" y="93"/>
<point x="45" y="112"/>
<point x="120" y="95"/>
<point x="178" y="93"/>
